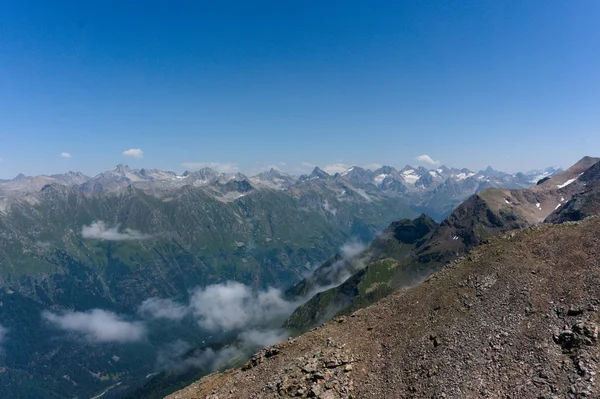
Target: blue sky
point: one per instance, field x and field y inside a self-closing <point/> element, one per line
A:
<point x="244" y="85"/>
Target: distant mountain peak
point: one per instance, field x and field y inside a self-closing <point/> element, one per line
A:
<point x="387" y="170"/>
<point x="319" y="173"/>
<point x="120" y="168"/>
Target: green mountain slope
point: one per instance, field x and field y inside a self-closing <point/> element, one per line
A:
<point x="64" y="248"/>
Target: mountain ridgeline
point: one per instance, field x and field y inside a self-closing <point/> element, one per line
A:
<point x="73" y="243"/>
<point x="500" y="299"/>
<point x="567" y="196"/>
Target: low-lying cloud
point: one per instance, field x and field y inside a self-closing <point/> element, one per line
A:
<point x="179" y="356"/>
<point x="233" y="306"/>
<point x="3" y="331"/>
<point x="427" y="159"/>
<point x="347" y="265"/>
<point x="100" y="231"/>
<point x="97" y="325"/>
<point x="229" y="306"/>
<point x="159" y="308"/>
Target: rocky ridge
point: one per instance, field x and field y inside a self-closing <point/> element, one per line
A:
<point x="482" y="216"/>
<point x="517" y="317"/>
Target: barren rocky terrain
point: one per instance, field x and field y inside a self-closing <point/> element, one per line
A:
<point x="516" y="318"/>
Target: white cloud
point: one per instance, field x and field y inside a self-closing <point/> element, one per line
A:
<point x="98" y="325"/>
<point x="373" y="166"/>
<point x="179" y="356"/>
<point x="65" y="155"/>
<point x="3" y="331"/>
<point x="427" y="159"/>
<point x="159" y="308"/>
<point x="336" y="168"/>
<point x="218" y="166"/>
<point x="233" y="306"/>
<point x="134" y="153"/>
<point x="307" y="164"/>
<point x="100" y="231"/>
<point x="262" y="338"/>
<point x="340" y="270"/>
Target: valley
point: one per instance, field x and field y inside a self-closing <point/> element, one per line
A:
<point x="77" y="250"/>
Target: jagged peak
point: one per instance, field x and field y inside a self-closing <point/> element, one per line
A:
<point x="121" y="168"/>
<point x="318" y="172"/>
<point x="387" y="170"/>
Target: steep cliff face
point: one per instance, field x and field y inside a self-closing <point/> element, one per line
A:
<point x="518" y="317"/>
<point x="583" y="204"/>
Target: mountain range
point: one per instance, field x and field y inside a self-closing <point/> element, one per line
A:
<point x="410" y="250"/>
<point x="436" y="191"/>
<point x="498" y="300"/>
<point x="73" y="246"/>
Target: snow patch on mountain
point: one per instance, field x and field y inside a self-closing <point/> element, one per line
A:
<point x="380" y="178"/>
<point x="410" y="176"/>
<point x="463" y="176"/>
<point x="565" y="184"/>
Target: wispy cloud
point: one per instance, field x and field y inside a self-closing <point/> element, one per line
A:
<point x="230" y="306"/>
<point x="180" y="356"/>
<point x="3" y="331"/>
<point x="218" y="166"/>
<point x="134" y="153"/>
<point x="98" y="325"/>
<point x="307" y="164"/>
<point x="65" y="155"/>
<point x="332" y="169"/>
<point x="99" y="230"/>
<point x="427" y="159"/>
<point x="373" y="166"/>
<point x="159" y="308"/>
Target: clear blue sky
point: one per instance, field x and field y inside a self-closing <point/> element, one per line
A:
<point x="513" y="84"/>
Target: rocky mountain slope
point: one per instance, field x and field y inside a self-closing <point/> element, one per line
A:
<point x="517" y="317"/>
<point x="584" y="203"/>
<point x="482" y="216"/>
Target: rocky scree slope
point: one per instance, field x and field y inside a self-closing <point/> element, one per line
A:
<point x="517" y="318"/>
